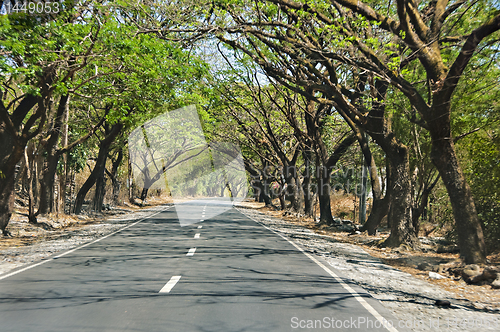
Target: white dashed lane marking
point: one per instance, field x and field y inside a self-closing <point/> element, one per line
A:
<point x="191" y="252"/>
<point x="197" y="236"/>
<point x="170" y="284"/>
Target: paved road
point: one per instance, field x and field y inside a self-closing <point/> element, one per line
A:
<point x="232" y="274"/>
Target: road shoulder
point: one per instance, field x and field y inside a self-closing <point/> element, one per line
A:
<point x="409" y="299"/>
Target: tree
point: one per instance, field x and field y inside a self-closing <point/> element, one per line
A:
<point x="424" y="32"/>
<point x="383" y="45"/>
<point x="37" y="62"/>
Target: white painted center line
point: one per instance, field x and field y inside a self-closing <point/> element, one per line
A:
<point x="191" y="252"/>
<point x="201" y="220"/>
<point x="197" y="236"/>
<point x="170" y="284"/>
<point x="200" y="226"/>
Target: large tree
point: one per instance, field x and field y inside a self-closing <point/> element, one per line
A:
<point x="38" y="59"/>
<point x="441" y="36"/>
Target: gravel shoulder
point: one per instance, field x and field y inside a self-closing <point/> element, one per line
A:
<point x="31" y="244"/>
<point x="411" y="300"/>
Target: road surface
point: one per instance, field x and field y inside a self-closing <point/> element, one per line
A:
<point x="225" y="273"/>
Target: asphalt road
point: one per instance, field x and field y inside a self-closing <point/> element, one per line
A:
<point x="232" y="274"/>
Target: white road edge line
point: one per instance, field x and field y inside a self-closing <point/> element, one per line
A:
<point x="80" y="247"/>
<point x="361" y="300"/>
<point x="170" y="284"/>
<point x="197" y="236"/>
<point x="191" y="252"/>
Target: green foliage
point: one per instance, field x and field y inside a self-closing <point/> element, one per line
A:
<point x="483" y="172"/>
<point x="77" y="158"/>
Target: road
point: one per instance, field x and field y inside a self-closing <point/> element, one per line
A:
<point x="225" y="273"/>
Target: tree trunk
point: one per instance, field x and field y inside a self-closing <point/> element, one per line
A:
<point x="281" y="197"/>
<point x="362" y="197"/>
<point x="308" y="196"/>
<point x="65" y="172"/>
<point x="100" y="190"/>
<point x="91" y="180"/>
<point x="325" y="210"/>
<point x="6" y="200"/>
<point x="113" y="175"/>
<point x="47" y="184"/>
<point x="130" y="181"/>
<point x="47" y="201"/>
<point x="98" y="201"/>
<point x="323" y="175"/>
<point x="29" y="174"/>
<point x="98" y="168"/>
<point x="144" y="194"/>
<point x="306" y="186"/>
<point x="116" y="191"/>
<point x="294" y="193"/>
<point x="470" y="233"/>
<point x="380" y="206"/>
<point x="265" y="182"/>
<point x="11" y="152"/>
<point x="400" y="211"/>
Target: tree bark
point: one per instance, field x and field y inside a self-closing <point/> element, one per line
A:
<point x="6" y="200"/>
<point x="51" y="160"/>
<point x="64" y="174"/>
<point x="113" y="175"/>
<point x="380" y="206"/>
<point x="260" y="192"/>
<point x="98" y="168"/>
<point x="400" y="211"/>
<point x="294" y="192"/>
<point x="98" y="201"/>
<point x="306" y="187"/>
<point x="11" y="151"/>
<point x="469" y="230"/>
<point x="30" y="171"/>
<point x="100" y="191"/>
<point x="323" y="174"/>
<point x="325" y="210"/>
